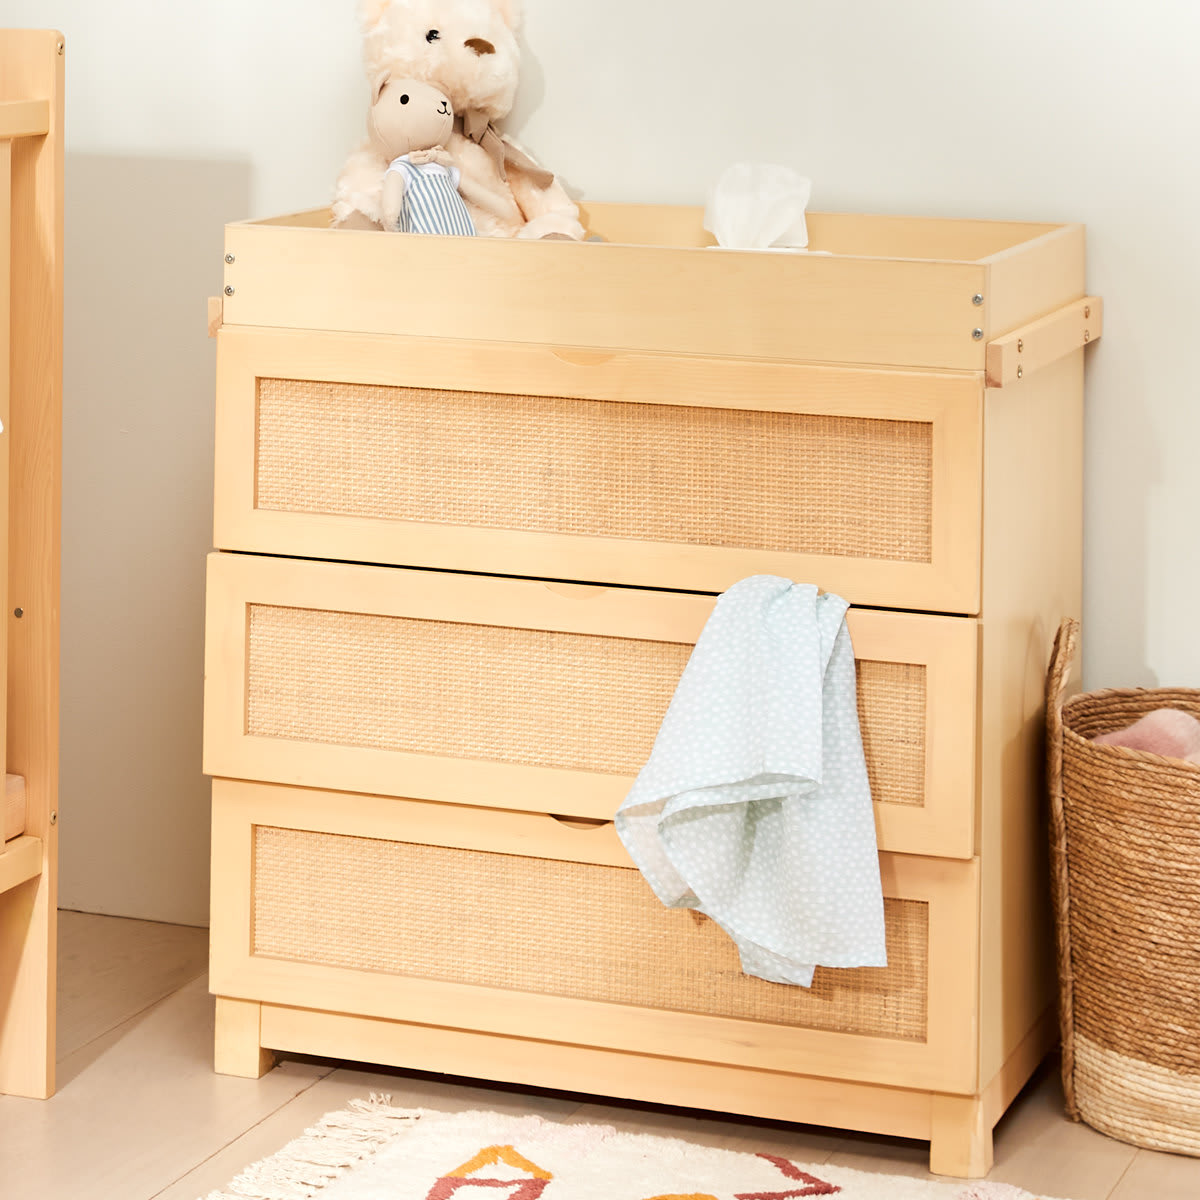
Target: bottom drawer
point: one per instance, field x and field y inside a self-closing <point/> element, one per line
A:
<point x="560" y="928"/>
<point x="532" y="925"/>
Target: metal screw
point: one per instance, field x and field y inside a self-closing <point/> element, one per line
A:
<point x="1087" y="310"/>
<point x="18" y="612"/>
<point x="60" y="47"/>
<point x="228" y="290"/>
<point x="229" y="258"/>
<point x="54" y="817"/>
<point x="1020" y="370"/>
<point x="1087" y="337"/>
<point x="977" y="299"/>
<point x="977" y="334"/>
<point x="1020" y="345"/>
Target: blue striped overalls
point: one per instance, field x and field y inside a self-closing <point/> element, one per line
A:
<point x="431" y="200"/>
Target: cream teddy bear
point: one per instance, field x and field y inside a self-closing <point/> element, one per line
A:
<point x="467" y="49"/>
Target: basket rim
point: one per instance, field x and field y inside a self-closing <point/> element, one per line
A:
<point x="1131" y="693"/>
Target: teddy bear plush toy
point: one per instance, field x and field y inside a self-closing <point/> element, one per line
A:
<point x="467" y="49"/>
<point x="410" y="122"/>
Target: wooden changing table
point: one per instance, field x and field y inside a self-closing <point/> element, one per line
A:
<point x="474" y="499"/>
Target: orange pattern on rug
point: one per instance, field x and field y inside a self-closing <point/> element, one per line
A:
<point x="529" y="1188"/>
<point x="534" y="1184"/>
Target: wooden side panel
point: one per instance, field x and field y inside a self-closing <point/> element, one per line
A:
<point x="1028" y="281"/>
<point x="1020" y="1065"/>
<point x="1032" y="579"/>
<point x="944" y="1061"/>
<point x="31" y="65"/>
<point x="685" y="301"/>
<point x="6" y="306"/>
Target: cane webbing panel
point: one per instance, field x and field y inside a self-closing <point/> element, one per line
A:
<point x="556" y="928"/>
<point x="464" y="691"/>
<point x="891" y="715"/>
<point x="527" y="696"/>
<point x="848" y="486"/>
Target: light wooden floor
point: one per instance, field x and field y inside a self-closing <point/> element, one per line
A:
<point x="140" y="1116"/>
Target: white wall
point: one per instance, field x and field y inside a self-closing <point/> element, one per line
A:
<point x="181" y="117"/>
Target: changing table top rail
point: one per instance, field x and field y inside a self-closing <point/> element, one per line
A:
<point x="899" y="292"/>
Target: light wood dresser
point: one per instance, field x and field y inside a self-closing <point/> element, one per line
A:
<point x="474" y="500"/>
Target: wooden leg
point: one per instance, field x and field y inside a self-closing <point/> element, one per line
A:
<point x="238" y="1050"/>
<point x="961" y="1144"/>
<point x="28" y="924"/>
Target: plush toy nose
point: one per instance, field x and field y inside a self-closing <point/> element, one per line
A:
<point x="480" y="46"/>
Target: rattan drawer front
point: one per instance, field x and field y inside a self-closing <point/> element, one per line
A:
<point x="525" y="695"/>
<point x="648" y="470"/>
<point x="816" y="485"/>
<point x="490" y="692"/>
<point x="496" y="914"/>
<point x="532" y="907"/>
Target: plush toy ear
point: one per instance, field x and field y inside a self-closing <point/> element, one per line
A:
<point x="509" y="11"/>
<point x="370" y="12"/>
<point x="378" y="86"/>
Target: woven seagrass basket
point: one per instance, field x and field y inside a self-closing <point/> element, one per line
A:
<point x="1125" y="841"/>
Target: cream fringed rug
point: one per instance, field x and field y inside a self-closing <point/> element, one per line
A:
<point x="372" y="1151"/>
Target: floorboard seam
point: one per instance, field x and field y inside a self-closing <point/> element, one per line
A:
<point x="1113" y="1190"/>
<point x="141" y="1012"/>
<point x="249" y="1129"/>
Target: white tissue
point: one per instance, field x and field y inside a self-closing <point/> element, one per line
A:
<point x="755" y="206"/>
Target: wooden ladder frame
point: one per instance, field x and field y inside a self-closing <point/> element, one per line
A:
<point x="31" y="313"/>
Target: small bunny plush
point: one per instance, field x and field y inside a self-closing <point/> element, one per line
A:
<point x="410" y="123"/>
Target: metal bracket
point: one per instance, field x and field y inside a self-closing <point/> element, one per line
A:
<point x="1044" y="341"/>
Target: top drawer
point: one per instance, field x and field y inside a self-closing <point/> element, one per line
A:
<point x="628" y="468"/>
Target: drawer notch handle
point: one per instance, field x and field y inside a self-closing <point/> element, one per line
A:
<point x="580" y="822"/>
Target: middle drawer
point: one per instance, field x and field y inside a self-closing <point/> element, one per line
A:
<point x="533" y="696"/>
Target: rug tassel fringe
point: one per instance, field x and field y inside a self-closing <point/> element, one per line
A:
<point x="326" y="1152"/>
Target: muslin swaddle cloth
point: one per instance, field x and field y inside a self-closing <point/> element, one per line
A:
<point x="754" y="806"/>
